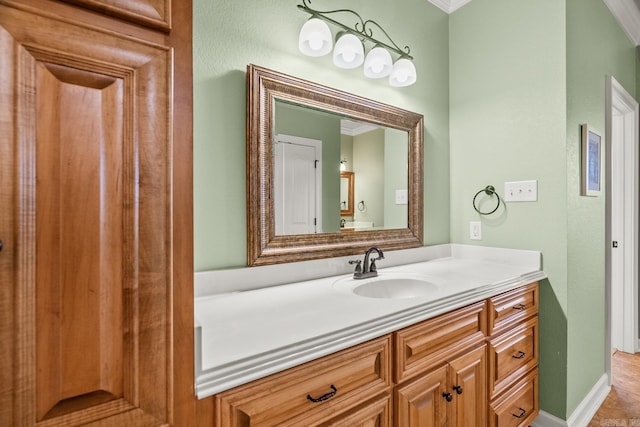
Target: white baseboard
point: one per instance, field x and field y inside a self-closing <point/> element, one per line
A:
<point x="583" y="413"/>
<point x="545" y="419"/>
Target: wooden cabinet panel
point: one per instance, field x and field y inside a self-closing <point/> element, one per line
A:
<point x="511" y="355"/>
<point x="151" y="13"/>
<point x="518" y="406"/>
<point x="422" y="346"/>
<point x="467" y="384"/>
<point x="421" y="402"/>
<point x="91" y="144"/>
<point x="509" y="308"/>
<point x="376" y="413"/>
<point x="337" y="383"/>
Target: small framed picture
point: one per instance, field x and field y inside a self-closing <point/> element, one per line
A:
<point x="591" y="162"/>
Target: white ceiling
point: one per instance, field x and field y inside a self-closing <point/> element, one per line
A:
<point x="627" y="12"/>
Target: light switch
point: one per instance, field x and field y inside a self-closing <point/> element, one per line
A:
<point x="402" y="197"/>
<point x="521" y="191"/>
<point x="475" y="230"/>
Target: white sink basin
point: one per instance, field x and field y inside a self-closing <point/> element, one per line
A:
<point x="396" y="288"/>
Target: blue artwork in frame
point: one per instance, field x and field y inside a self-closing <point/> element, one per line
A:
<point x="591" y="162"/>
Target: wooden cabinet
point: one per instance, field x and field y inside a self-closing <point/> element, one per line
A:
<point x="454" y="393"/>
<point x="474" y="366"/>
<point x="93" y="324"/>
<point x="316" y="392"/>
<point x="513" y="357"/>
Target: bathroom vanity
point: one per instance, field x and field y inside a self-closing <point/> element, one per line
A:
<point x="461" y="350"/>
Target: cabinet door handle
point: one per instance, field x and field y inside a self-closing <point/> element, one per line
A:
<point x="447" y="396"/>
<point x="520" y="307"/>
<point x="324" y="396"/>
<point x="520" y="355"/>
<point x="458" y="389"/>
<point x="522" y="413"/>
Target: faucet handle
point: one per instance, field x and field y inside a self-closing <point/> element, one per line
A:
<point x="357" y="262"/>
<point x="372" y="266"/>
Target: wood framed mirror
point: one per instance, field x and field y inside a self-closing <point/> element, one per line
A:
<point x="281" y="196"/>
<point x="346" y="193"/>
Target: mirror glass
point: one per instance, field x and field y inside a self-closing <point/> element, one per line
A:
<point x="328" y="173"/>
<point x="347" y="184"/>
<point x="311" y="147"/>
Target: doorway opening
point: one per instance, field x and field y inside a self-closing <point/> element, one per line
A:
<point x="622" y="228"/>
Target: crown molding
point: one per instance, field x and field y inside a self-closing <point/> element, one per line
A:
<point x="449" y="6"/>
<point x="352" y="128"/>
<point x="627" y="13"/>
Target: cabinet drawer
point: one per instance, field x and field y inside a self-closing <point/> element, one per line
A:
<point x="511" y="307"/>
<point x="421" y="347"/>
<point x="337" y="383"/>
<point x="375" y="413"/>
<point x="512" y="354"/>
<point x="518" y="406"/>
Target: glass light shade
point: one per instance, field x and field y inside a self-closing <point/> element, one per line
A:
<point x="315" y="38"/>
<point x="378" y="63"/>
<point x="403" y="73"/>
<point x="349" y="52"/>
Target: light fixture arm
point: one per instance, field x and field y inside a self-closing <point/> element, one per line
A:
<point x="361" y="29"/>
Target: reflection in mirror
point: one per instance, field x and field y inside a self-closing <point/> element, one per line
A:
<point x="346" y="195"/>
<point x="294" y="211"/>
<point x="318" y="143"/>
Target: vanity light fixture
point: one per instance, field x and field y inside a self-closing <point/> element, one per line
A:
<point x="315" y="40"/>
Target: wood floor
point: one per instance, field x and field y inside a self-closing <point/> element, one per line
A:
<point x="622" y="405"/>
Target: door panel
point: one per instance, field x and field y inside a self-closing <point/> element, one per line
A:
<point x="467" y="378"/>
<point x="89" y="141"/>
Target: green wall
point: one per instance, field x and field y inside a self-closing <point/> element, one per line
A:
<point x="524" y="76"/>
<point x="294" y="120"/>
<point x="396" y="171"/>
<point x="229" y="34"/>
<point x="507" y="118"/>
<point x="369" y="176"/>
<point x="596" y="47"/>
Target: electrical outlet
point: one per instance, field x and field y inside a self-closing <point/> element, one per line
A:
<point x="521" y="191"/>
<point x="475" y="230"/>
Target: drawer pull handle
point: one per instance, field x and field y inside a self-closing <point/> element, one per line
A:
<point x="522" y="413"/>
<point x="458" y="389"/>
<point x="324" y="396"/>
<point x="520" y="355"/>
<point x="447" y="396"/>
<point x="520" y="307"/>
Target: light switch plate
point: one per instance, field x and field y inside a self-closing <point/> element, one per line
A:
<point x="475" y="230"/>
<point x="521" y="191"/>
<point x="402" y="197"/>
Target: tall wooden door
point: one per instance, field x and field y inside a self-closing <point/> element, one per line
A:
<point x="87" y="180"/>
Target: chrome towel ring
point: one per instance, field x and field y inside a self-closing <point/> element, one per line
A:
<point x="489" y="190"/>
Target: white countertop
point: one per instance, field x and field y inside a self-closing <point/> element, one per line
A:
<point x="243" y="336"/>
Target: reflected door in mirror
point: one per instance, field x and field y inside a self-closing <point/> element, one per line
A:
<point x="297" y="185"/>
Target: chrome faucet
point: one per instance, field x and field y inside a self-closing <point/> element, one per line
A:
<point x="367" y="269"/>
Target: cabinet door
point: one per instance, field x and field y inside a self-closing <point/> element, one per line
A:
<point x="468" y="386"/>
<point x="86" y="138"/>
<point x="421" y="403"/>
